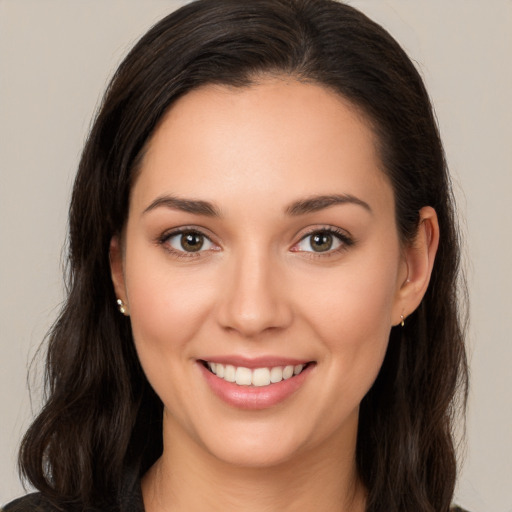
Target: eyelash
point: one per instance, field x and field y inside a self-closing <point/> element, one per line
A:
<point x="164" y="241"/>
<point x="342" y="237"/>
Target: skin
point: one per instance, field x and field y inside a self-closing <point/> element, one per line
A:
<point x="259" y="289"/>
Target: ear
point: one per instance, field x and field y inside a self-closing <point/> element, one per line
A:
<point x="419" y="258"/>
<point x="117" y="268"/>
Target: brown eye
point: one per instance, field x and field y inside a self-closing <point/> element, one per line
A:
<point x="324" y="241"/>
<point x="189" y="241"/>
<point x="321" y="242"/>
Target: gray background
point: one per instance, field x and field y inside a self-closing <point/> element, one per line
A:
<point x="55" y="60"/>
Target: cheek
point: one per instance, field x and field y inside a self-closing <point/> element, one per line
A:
<point x="352" y="315"/>
<point x="167" y="307"/>
<point x="358" y="301"/>
<point x="356" y="333"/>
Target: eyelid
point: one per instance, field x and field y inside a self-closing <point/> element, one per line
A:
<point x="342" y="236"/>
<point x="164" y="238"/>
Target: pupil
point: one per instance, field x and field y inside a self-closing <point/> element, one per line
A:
<point x="192" y="242"/>
<point x="321" y="242"/>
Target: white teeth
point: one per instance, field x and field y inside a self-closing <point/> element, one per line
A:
<point x="261" y="377"/>
<point x="229" y="373"/>
<point x="243" y="376"/>
<point x="276" y="374"/>
<point x="257" y="377"/>
<point x="287" y="372"/>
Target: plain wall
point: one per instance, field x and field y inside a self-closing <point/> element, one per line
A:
<point x="55" y="59"/>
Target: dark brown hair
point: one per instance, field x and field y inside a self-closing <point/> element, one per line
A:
<point x="102" y="420"/>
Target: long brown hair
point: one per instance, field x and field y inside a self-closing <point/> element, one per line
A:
<point x="101" y="418"/>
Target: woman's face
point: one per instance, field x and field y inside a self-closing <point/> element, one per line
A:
<point x="261" y="238"/>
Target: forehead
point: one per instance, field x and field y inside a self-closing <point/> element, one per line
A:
<point x="273" y="140"/>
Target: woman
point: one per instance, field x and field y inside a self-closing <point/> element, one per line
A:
<point x="262" y="307"/>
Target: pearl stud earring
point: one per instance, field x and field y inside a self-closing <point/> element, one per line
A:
<point x="122" y="307"/>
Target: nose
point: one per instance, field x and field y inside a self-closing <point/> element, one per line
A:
<point x="254" y="296"/>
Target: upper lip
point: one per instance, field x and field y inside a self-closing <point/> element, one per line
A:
<point x="255" y="362"/>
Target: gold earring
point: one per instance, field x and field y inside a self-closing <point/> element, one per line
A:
<point x="122" y="307"/>
<point x="402" y="323"/>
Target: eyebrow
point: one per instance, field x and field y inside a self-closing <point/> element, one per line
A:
<point x="185" y="205"/>
<point x="300" y="207"/>
<point x="317" y="203"/>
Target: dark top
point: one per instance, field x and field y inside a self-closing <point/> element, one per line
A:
<point x="37" y="503"/>
<point x="131" y="502"/>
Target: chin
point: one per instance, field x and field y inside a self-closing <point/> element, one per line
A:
<point x="255" y="455"/>
<point x="260" y="443"/>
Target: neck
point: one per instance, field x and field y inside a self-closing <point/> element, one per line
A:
<point x="188" y="478"/>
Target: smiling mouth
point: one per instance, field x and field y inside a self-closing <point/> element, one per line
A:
<point x="257" y="377"/>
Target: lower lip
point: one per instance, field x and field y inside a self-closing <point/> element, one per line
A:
<point x="254" y="397"/>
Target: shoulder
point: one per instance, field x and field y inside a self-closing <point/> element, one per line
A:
<point x="32" y="502"/>
<point x="457" y="509"/>
<point x="131" y="501"/>
<point x="36" y="502"/>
